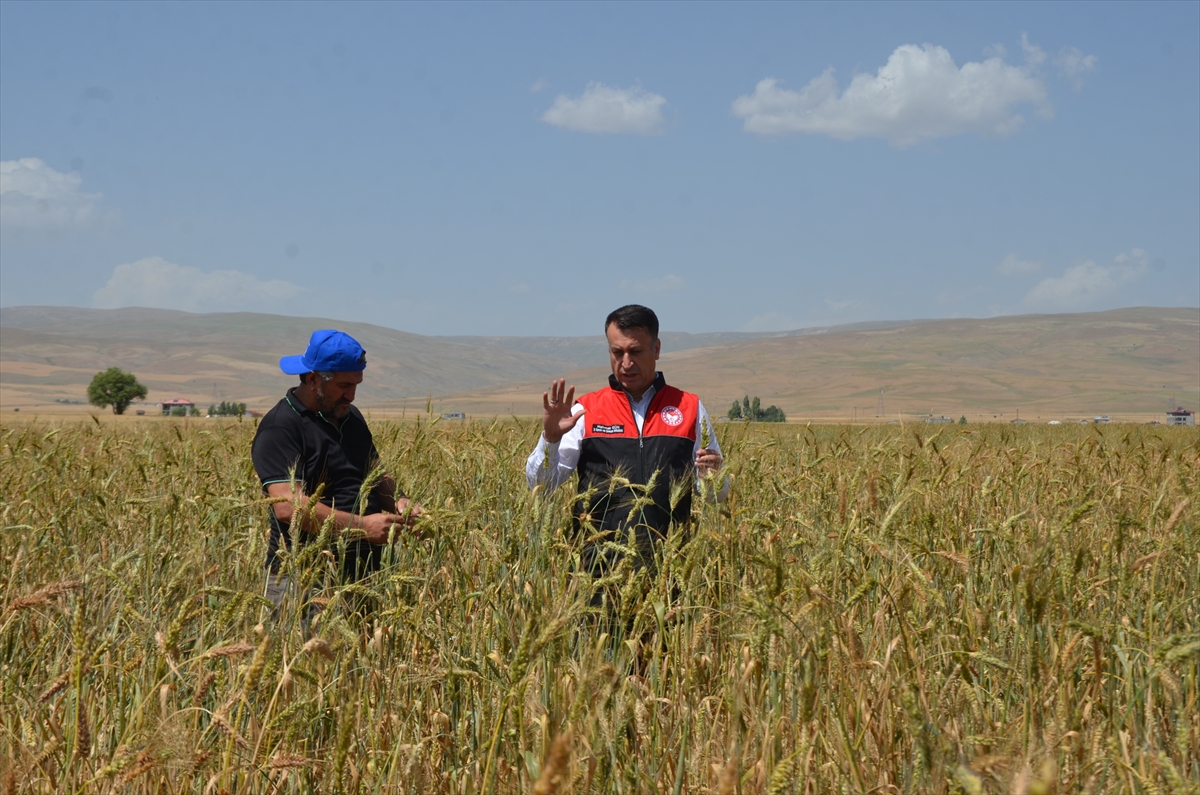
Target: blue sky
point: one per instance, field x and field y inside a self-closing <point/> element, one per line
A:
<point x="524" y="168"/>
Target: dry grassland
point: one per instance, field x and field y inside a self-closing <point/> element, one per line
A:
<point x="1125" y="363"/>
<point x="888" y="610"/>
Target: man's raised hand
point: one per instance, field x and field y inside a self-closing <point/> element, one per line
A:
<point x="557" y="418"/>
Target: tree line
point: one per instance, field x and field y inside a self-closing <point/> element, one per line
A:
<point x="227" y="409"/>
<point x="751" y="410"/>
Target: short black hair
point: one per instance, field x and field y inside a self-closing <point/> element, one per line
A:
<point x="633" y="316"/>
<point x="324" y="374"/>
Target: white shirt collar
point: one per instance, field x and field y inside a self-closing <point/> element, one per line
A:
<point x="645" y="399"/>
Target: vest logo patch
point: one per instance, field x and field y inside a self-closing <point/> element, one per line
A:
<point x="598" y="428"/>
<point x="671" y="416"/>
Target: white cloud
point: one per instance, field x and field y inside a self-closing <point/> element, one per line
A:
<point x="838" y="306"/>
<point x="601" y="109"/>
<point x="539" y="85"/>
<point x="1082" y="285"/>
<point x="1034" y="55"/>
<point x="33" y="196"/>
<point x="669" y="283"/>
<point x="1073" y="65"/>
<point x="918" y="95"/>
<point x="1015" y="266"/>
<point x="771" y="321"/>
<point x="154" y="282"/>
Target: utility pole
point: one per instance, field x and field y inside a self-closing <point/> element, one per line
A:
<point x="879" y="408"/>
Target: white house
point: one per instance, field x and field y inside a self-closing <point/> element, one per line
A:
<point x="1180" y="416"/>
<point x="176" y="403"/>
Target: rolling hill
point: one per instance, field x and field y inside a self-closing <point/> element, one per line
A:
<point x="591" y="351"/>
<point x="1125" y="363"/>
<point x="51" y="353"/>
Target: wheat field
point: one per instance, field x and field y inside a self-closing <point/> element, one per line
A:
<point x="976" y="609"/>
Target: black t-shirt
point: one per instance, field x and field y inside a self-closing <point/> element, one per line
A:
<point x="294" y="439"/>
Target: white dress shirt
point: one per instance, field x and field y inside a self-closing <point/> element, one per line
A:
<point x="552" y="465"/>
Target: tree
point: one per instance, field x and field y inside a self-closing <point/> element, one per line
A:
<point x="115" y="387"/>
<point x="962" y="420"/>
<point x="227" y="409"/>
<point x="772" y="414"/>
<point x="752" y="411"/>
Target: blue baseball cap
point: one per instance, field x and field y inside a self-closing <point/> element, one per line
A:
<point x="328" y="350"/>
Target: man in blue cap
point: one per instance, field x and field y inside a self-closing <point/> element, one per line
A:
<point x="315" y="438"/>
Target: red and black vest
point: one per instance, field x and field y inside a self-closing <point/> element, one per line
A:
<point x="612" y="449"/>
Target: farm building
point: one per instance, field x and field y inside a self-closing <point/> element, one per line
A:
<point x="173" y="403"/>
<point x="1180" y="416"/>
<point x="454" y="415"/>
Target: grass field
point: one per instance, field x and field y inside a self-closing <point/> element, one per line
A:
<point x="884" y="610"/>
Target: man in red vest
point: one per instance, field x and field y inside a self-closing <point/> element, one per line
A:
<point x="637" y="437"/>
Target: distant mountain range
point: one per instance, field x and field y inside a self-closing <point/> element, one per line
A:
<point x="1127" y="363"/>
<point x="50" y="353"/>
<point x="1127" y="360"/>
<point x="592" y="351"/>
